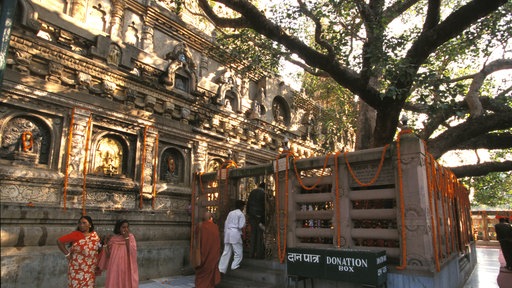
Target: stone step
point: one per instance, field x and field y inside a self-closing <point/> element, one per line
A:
<point x="229" y="281"/>
<point x="257" y="273"/>
<point x="262" y="263"/>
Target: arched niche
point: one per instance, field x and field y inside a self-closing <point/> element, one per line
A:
<point x="281" y="111"/>
<point x="110" y="156"/>
<point x="180" y="71"/>
<point x="27" y="139"/>
<point x="172" y="166"/>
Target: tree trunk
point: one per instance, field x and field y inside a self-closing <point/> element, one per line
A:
<point x="386" y="124"/>
<point x="365" y="126"/>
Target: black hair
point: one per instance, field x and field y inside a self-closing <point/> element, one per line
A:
<point x="262" y="185"/>
<point x="89" y="219"/>
<point x="240" y="204"/>
<point x="117" y="227"/>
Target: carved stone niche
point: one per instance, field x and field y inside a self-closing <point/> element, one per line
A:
<point x="26" y="140"/>
<point x="281" y="111"/>
<point x="180" y="72"/>
<point x="111" y="154"/>
<point x="172" y="166"/>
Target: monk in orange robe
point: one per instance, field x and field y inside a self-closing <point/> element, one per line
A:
<point x="208" y="239"/>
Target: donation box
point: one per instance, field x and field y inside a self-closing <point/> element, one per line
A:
<point x="346" y="265"/>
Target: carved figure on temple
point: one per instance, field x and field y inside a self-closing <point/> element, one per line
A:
<point x="108" y="157"/>
<point x="114" y="55"/>
<point x="228" y="90"/>
<point x="311" y="128"/>
<point x="276" y="110"/>
<point x="171" y="169"/>
<point x="179" y="58"/>
<point x="258" y="109"/>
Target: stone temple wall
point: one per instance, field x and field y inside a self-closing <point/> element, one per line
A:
<point x="108" y="108"/>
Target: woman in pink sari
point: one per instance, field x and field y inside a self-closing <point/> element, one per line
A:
<point x="120" y="258"/>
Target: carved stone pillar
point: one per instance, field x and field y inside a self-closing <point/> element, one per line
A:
<point x="116" y="20"/>
<point x="78" y="143"/>
<point x="149" y="145"/>
<point x="147" y="38"/>
<point x="78" y="9"/>
<point x="418" y="224"/>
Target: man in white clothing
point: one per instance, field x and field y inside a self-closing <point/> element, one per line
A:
<point x="233" y="238"/>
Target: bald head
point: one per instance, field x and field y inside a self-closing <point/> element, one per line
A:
<point x="207" y="216"/>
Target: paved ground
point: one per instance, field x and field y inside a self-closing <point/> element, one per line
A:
<point x="172" y="281"/>
<point x="487" y="274"/>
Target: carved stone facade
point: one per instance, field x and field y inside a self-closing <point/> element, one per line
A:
<point x="108" y="108"/>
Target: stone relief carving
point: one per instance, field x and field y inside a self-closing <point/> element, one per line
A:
<point x="55" y="72"/>
<point x="108" y="89"/>
<point x="84" y="81"/>
<point x="25" y="193"/>
<point x="114" y="55"/>
<point x="22" y="60"/>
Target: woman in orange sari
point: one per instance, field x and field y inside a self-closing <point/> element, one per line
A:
<point x="120" y="258"/>
<point x="82" y="255"/>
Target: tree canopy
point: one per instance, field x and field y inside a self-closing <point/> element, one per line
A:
<point x="431" y="60"/>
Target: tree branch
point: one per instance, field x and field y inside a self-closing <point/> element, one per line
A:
<point x="475" y="107"/>
<point x="472" y="127"/>
<point x="433" y="16"/>
<point x="450" y="28"/>
<point x="239" y="22"/>
<point x="491" y="141"/>
<point x="318" y="29"/>
<point x="310" y="70"/>
<point x="396" y="9"/>
<point x="481" y="169"/>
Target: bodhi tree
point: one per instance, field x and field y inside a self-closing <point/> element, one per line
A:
<point x="429" y="60"/>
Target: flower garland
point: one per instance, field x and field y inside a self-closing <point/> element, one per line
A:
<point x="155" y="172"/>
<point x="300" y="179"/>
<point x="402" y="204"/>
<point x="68" y="157"/>
<point x="382" y="157"/>
<point x="337" y="206"/>
<point x="430" y="188"/>
<point x="24" y="145"/>
<point x="443" y="204"/>
<point x="281" y="246"/>
<point x="436" y="189"/>
<point x="87" y="139"/>
<point x="192" y="210"/>
<point x="142" y="165"/>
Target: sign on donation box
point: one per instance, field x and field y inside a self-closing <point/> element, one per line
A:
<point x="345" y="265"/>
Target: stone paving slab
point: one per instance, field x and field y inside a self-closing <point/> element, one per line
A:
<point x="172" y="281"/>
